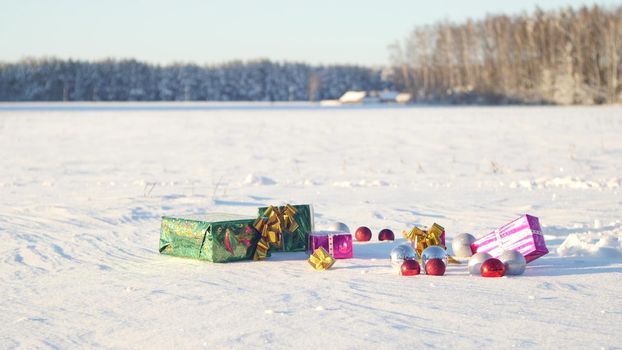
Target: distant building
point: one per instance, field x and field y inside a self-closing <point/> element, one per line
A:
<point x="403" y="97"/>
<point x="359" y="97"/>
<point x="353" y="97"/>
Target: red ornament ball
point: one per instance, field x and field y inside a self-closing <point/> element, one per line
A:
<point x="386" y="235"/>
<point x="435" y="267"/>
<point x="363" y="234"/>
<point x="410" y="268"/>
<point x="493" y="267"/>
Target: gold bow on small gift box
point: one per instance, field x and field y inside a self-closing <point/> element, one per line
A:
<point x="272" y="225"/>
<point x="422" y="239"/>
<point x="321" y="260"/>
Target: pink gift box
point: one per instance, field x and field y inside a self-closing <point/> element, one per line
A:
<point x="523" y="235"/>
<point x="337" y="244"/>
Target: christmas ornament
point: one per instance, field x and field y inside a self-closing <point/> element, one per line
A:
<point x="514" y="262"/>
<point x="363" y="234"/>
<point x="492" y="267"/>
<point x="401" y="253"/>
<point x="435" y="267"/>
<point x="386" y="235"/>
<point x="433" y="252"/>
<point x="410" y="268"/>
<point x="321" y="260"/>
<point x="339" y="227"/>
<point x="461" y="245"/>
<point x="475" y="262"/>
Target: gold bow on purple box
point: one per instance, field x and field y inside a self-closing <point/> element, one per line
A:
<point x="422" y="239"/>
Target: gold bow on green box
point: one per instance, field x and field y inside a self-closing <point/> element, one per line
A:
<point x="274" y="222"/>
<point x="284" y="228"/>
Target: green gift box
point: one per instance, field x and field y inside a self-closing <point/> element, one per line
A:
<point x="294" y="237"/>
<point x="216" y="237"/>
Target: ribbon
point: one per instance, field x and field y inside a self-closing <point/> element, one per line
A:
<point x="422" y="239"/>
<point x="331" y="245"/>
<point x="261" y="252"/>
<point x="320" y="259"/>
<point x="272" y="225"/>
<point x="499" y="240"/>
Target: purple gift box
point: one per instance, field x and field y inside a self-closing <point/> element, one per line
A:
<point x="523" y="235"/>
<point x="337" y="244"/>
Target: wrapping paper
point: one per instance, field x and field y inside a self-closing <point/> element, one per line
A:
<point x="522" y="234"/>
<point x="216" y="237"/>
<point x="338" y="244"/>
<point x="284" y="231"/>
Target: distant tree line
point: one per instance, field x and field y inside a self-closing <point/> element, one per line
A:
<point x="563" y="57"/>
<point x="130" y="80"/>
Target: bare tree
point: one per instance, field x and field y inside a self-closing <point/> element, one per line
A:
<point x="565" y="56"/>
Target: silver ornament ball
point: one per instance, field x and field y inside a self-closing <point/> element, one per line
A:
<point x="433" y="252"/>
<point x="339" y="227"/>
<point x="400" y="253"/>
<point x="476" y="261"/>
<point x="461" y="245"/>
<point x="514" y="262"/>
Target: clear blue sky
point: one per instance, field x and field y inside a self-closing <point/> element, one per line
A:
<point x="319" y="31"/>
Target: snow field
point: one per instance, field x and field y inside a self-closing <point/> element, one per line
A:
<point x="83" y="191"/>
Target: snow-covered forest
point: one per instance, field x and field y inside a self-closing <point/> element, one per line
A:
<point x="130" y="80"/>
<point x="563" y="57"/>
<point x="569" y="56"/>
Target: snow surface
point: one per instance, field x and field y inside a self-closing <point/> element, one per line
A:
<point x="82" y="193"/>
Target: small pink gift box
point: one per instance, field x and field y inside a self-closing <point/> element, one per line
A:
<point x="337" y="244"/>
<point x="523" y="235"/>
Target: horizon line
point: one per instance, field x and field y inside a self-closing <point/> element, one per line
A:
<point x="51" y="58"/>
